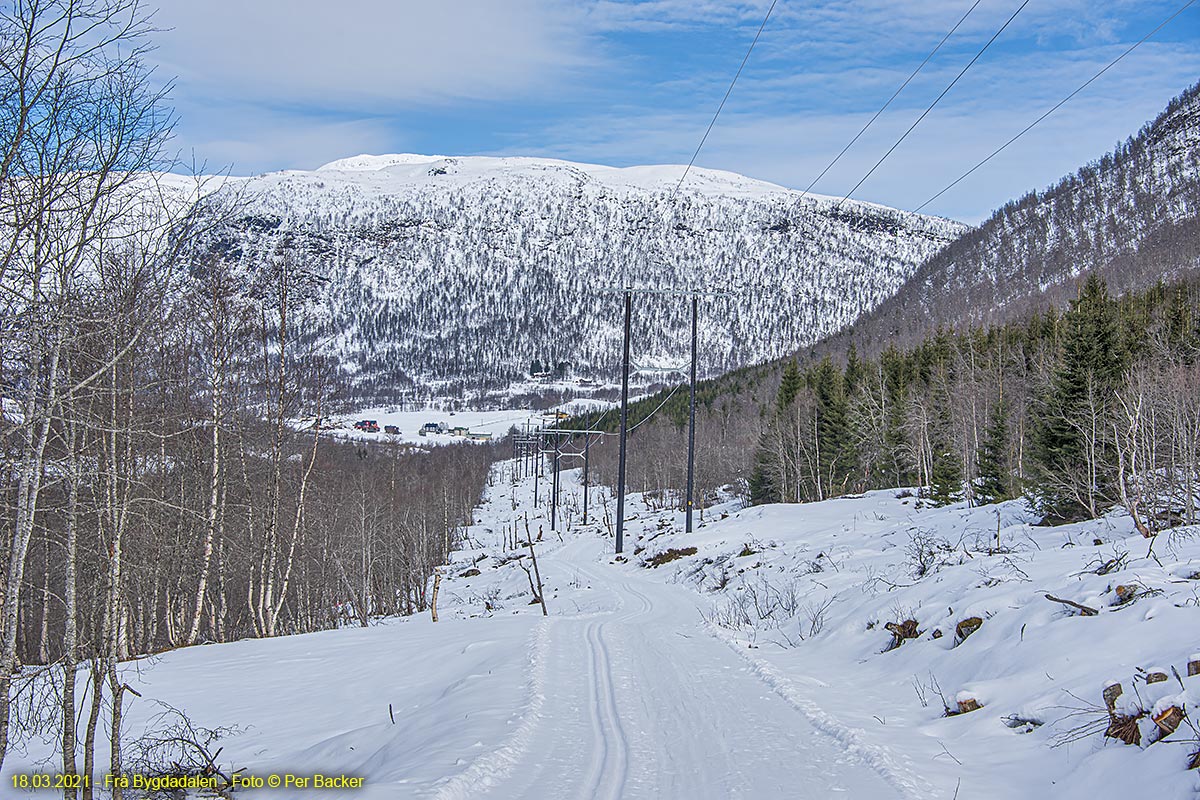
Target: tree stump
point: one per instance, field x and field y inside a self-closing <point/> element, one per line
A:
<point x="1193" y="664"/>
<point x="1156" y="675"/>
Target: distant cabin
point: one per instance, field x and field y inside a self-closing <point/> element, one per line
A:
<point x="394" y="430"/>
<point x="480" y="436"/>
<point x="459" y="430"/>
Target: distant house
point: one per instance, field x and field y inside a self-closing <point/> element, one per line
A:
<point x="459" y="430"/>
<point x="367" y="426"/>
<point x="479" y="436"/>
<point x="394" y="430"/>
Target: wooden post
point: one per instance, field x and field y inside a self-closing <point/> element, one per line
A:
<point x="437" y="579"/>
<point x="541" y="593"/>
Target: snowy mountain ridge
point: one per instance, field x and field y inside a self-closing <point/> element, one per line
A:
<point x="446" y="276"/>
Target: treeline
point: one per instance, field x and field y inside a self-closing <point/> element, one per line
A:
<point x="1077" y="410"/>
<point x="156" y="487"/>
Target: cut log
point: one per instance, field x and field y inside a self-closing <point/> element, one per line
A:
<point x="1111" y="693"/>
<point x="1156" y="675"/>
<point x="1169" y="720"/>
<point x="968" y="704"/>
<point x="901" y="631"/>
<point x="1125" y="593"/>
<point x="967" y="626"/>
<point x="1193" y="664"/>
<point x="1084" y="610"/>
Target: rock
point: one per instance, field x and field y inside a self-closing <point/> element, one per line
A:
<point x="1125" y="593"/>
<point x="937" y="633"/>
<point x="1193" y="664"/>
<point x="470" y="573"/>
<point x="1156" y="675"/>
<point x="967" y="626"/>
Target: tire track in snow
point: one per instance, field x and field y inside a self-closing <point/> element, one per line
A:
<point x="874" y="756"/>
<point x="494" y="767"/>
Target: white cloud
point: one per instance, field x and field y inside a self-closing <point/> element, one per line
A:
<point x="362" y="54"/>
<point x="249" y="140"/>
<point x="792" y="147"/>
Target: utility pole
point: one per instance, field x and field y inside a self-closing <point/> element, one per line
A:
<point x="554" y="490"/>
<point x="537" y="468"/>
<point x="695" y="294"/>
<point x="587" y="443"/>
<point x="691" y="469"/>
<point x="624" y="422"/>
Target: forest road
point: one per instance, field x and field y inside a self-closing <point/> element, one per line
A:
<point x="642" y="702"/>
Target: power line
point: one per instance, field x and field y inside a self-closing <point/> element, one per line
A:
<point x="938" y="99"/>
<point x="655" y="411"/>
<point x="1056" y="106"/>
<point x="907" y="81"/>
<point x="728" y="92"/>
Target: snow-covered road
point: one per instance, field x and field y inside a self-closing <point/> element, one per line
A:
<point x="640" y="701"/>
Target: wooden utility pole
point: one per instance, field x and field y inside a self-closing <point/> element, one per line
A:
<point x="554" y="486"/>
<point x="587" y="443"/>
<point x="624" y="421"/>
<point x="691" y="461"/>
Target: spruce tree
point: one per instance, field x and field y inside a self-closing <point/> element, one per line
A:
<point x="761" y="484"/>
<point x="946" y="480"/>
<point x="1091" y="363"/>
<point x="833" y="432"/>
<point x="789" y="386"/>
<point x="995" y="475"/>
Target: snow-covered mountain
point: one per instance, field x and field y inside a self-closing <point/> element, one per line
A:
<point x="450" y="274"/>
<point x="1132" y="216"/>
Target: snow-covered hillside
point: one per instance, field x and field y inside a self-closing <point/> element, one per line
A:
<point x="447" y="273"/>
<point x="1132" y="216"/>
<point x="749" y="659"/>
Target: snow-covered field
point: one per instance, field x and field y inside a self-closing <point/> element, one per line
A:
<point x="757" y="666"/>
<point x="496" y="423"/>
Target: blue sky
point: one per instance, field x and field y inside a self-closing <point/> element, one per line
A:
<point x="277" y="84"/>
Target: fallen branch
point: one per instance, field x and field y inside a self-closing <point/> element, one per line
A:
<point x="1085" y="610"/>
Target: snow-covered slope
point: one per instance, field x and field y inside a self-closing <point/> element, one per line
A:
<point x="748" y="659"/>
<point x="459" y="273"/>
